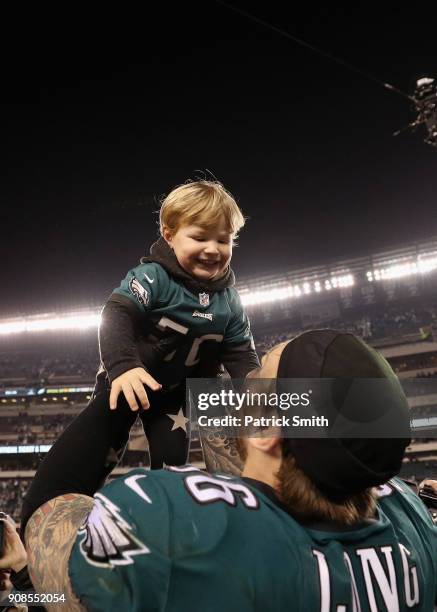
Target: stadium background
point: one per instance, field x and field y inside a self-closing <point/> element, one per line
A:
<point x="48" y="361"/>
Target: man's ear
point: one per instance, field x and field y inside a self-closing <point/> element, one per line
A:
<point x="270" y="362"/>
<point x="265" y="445"/>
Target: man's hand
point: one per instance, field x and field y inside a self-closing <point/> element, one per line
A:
<point x="428" y="482"/>
<point x="132" y="384"/>
<point x="5" y="583"/>
<point x="14" y="554"/>
<point x="428" y="492"/>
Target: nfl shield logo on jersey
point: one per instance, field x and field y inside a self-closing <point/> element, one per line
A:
<point x="204" y="299"/>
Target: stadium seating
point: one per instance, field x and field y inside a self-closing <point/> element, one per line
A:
<point x="45" y="383"/>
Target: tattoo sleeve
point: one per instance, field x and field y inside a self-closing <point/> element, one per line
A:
<point x="50" y="535"/>
<point x="220" y="453"/>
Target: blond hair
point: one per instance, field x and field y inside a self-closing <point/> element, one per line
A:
<point x="300" y="496"/>
<point x="201" y="203"/>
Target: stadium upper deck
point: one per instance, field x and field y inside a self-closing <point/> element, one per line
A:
<point x="316" y="293"/>
<point x="412" y="260"/>
<point x="346" y="287"/>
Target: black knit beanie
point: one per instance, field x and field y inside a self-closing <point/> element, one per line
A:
<point x="341" y="467"/>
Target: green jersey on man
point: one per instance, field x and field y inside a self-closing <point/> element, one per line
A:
<point x="182" y="540"/>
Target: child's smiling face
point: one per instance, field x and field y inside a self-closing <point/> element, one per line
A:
<point x="203" y="253"/>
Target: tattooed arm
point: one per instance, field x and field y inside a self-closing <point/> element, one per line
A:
<point x="50" y="535"/>
<point x="220" y="452"/>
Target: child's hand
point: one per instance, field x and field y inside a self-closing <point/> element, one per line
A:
<point x="132" y="384"/>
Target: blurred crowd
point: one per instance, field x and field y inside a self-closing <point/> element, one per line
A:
<point x="12" y="492"/>
<point x="396" y="320"/>
<point x="53" y="365"/>
<point x="391" y="322"/>
<point x="32" y="429"/>
<point x="35" y="367"/>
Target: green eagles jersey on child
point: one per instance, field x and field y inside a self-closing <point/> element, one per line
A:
<point x="182" y="540"/>
<point x="179" y="327"/>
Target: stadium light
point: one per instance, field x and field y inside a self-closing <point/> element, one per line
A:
<point x="316" y="281"/>
<point x="275" y="294"/>
<point x="424" y="264"/>
<point x="91" y="320"/>
<point x="271" y="295"/>
<point x="44" y="323"/>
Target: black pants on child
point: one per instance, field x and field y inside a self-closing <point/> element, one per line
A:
<point x="90" y="447"/>
<point x="168" y="437"/>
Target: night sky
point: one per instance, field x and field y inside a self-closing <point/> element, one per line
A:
<point x="103" y="114"/>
